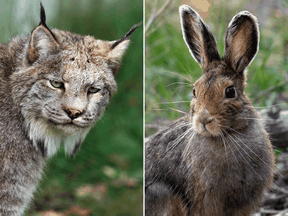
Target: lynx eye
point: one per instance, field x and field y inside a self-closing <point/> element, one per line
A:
<point x="56" y="84"/>
<point x="93" y="90"/>
<point x="194" y="92"/>
<point x="230" y="92"/>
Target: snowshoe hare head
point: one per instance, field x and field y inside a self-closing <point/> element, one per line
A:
<point x="219" y="102"/>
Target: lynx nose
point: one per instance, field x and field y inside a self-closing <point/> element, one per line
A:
<point x="73" y="113"/>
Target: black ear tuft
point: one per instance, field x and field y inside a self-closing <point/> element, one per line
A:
<point x="43" y="20"/>
<point x="127" y="35"/>
<point x="42" y="15"/>
<point x="42" y="40"/>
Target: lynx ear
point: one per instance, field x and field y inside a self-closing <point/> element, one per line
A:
<point x="241" y="41"/>
<point x="42" y="40"/>
<point x="118" y="48"/>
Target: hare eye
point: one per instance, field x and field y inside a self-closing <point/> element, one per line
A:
<point x="93" y="90"/>
<point x="194" y="92"/>
<point x="56" y="84"/>
<point x="230" y="92"/>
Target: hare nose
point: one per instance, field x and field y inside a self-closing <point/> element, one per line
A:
<point x="73" y="113"/>
<point x="207" y="121"/>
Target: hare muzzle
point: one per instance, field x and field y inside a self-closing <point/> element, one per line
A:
<point x="205" y="124"/>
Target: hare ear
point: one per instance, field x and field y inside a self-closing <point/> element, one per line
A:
<point x="241" y="41"/>
<point x="42" y="40"/>
<point x="197" y="36"/>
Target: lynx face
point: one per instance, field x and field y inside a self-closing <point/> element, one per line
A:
<point x="64" y="85"/>
<point x="72" y="92"/>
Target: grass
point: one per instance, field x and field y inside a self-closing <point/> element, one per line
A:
<point x="106" y="175"/>
<point x="170" y="69"/>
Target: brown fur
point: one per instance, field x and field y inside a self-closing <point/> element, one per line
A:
<point x="217" y="160"/>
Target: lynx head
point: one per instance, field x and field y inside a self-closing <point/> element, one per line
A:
<point x="64" y="84"/>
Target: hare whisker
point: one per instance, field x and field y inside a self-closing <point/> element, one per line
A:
<point x="177" y="141"/>
<point x="244" y="158"/>
<point x="176" y="102"/>
<point x="178" y="111"/>
<point x="259" y="157"/>
<point x="185" y="70"/>
<point x="178" y="94"/>
<point x="191" y="81"/>
<point x="247" y="145"/>
<point x="253" y="118"/>
<point x="231" y="149"/>
<point x="156" y="109"/>
<point x="222" y="137"/>
<point x="177" y="83"/>
<point x="169" y="108"/>
<point x="233" y="135"/>
<point x="178" y="126"/>
<point x="252" y="151"/>
<point x="235" y="131"/>
<point x="275" y="105"/>
<point x="187" y="147"/>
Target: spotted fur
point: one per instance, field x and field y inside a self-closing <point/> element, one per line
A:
<point x="54" y="86"/>
<point x="217" y="160"/>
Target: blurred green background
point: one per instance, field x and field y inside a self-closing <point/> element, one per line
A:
<point x="105" y="177"/>
<point x="170" y="69"/>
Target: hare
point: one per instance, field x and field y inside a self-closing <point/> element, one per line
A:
<point x="217" y="160"/>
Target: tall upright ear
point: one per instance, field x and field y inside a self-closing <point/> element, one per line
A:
<point x="197" y="36"/>
<point x="118" y="48"/>
<point x="42" y="40"/>
<point x="241" y="41"/>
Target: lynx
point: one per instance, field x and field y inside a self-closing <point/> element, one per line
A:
<point x="54" y="86"/>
